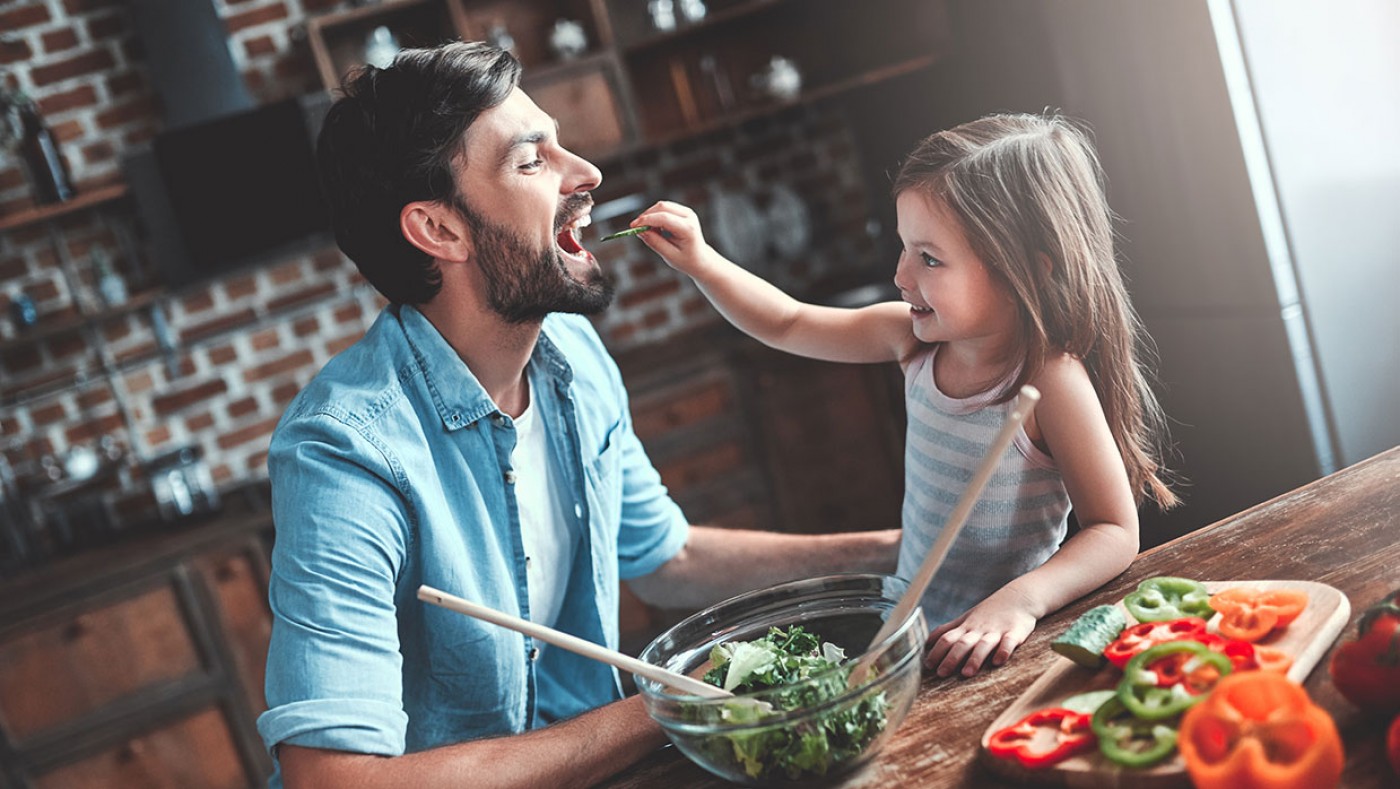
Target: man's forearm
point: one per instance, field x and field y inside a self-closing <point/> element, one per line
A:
<point x="719" y="563"/>
<point x="579" y="752"/>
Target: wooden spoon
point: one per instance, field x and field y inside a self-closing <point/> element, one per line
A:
<point x="572" y="643"/>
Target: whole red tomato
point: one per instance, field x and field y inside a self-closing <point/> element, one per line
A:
<point x="1367" y="670"/>
<point x="1392" y="745"/>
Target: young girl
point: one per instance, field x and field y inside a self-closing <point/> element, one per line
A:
<point x="1008" y="277"/>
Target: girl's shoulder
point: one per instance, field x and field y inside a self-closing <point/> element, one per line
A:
<point x="1064" y="376"/>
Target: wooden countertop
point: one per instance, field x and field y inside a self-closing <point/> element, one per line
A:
<point x="1342" y="530"/>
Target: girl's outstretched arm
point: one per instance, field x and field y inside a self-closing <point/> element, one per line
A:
<point x="877" y="333"/>
<point x="1072" y="424"/>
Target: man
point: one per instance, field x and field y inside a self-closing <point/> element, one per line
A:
<point x="477" y="440"/>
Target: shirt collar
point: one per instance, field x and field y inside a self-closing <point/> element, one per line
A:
<point x="457" y="395"/>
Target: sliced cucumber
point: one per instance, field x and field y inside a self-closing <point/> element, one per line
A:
<point x="1089" y="701"/>
<point x="1085" y="640"/>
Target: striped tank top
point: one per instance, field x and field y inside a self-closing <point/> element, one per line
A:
<point x="1018" y="522"/>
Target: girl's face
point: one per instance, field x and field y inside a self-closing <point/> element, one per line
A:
<point x="952" y="295"/>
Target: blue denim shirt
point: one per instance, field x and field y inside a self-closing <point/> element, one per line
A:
<point x="390" y="470"/>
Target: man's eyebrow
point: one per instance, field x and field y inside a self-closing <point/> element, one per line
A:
<point x="527" y="138"/>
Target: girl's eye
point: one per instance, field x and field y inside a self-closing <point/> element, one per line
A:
<point x="929" y="260"/>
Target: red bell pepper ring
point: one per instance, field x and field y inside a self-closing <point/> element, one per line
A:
<point x="1072" y="735"/>
<point x="1145" y="635"/>
<point x="1240" y="653"/>
<point x="1170" y="669"/>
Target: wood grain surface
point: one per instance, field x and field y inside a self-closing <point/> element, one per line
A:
<point x="1342" y="530"/>
<point x="1307" y="639"/>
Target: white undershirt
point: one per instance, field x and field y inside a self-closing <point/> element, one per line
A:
<point x="544" y="530"/>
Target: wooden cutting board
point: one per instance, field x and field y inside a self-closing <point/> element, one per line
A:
<point x="1307" y="639"/>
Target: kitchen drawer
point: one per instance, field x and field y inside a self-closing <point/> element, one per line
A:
<point x="198" y="751"/>
<point x="52" y="673"/>
<point x="238" y="581"/>
<point x="833" y="438"/>
<point x="705" y="398"/>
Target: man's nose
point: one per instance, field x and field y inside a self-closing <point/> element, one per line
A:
<point x="583" y="176"/>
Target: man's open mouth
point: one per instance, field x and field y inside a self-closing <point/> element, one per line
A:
<point x="568" y="236"/>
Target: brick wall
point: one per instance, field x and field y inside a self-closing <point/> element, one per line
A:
<point x="245" y="344"/>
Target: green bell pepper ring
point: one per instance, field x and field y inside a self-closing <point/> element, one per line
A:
<point x="1141" y="694"/>
<point x="1125" y="740"/>
<point x="1162" y="598"/>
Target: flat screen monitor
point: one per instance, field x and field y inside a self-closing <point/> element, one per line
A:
<point x="222" y="194"/>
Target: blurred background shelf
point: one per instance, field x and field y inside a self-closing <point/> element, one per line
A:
<point x="640" y="85"/>
<point x="87" y="198"/>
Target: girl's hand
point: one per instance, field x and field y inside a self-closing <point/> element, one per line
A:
<point x="675" y="235"/>
<point x="993" y="627"/>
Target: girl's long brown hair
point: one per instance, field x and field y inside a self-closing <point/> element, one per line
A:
<point x="1029" y="189"/>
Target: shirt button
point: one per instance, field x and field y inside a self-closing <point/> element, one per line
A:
<point x="534" y="653"/>
<point x="527" y="562"/>
<point x="578" y="510"/>
<point x="510" y="476"/>
<point x="497" y="419"/>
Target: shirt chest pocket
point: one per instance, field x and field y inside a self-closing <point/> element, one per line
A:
<point x="604" y="481"/>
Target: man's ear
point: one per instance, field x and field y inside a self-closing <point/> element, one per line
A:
<point x="436" y="229"/>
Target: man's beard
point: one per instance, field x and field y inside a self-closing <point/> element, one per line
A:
<point x="524" y="284"/>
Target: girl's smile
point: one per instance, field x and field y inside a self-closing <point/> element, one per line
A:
<point x="952" y="295"/>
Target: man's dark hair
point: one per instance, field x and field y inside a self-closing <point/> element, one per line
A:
<point x="391" y="140"/>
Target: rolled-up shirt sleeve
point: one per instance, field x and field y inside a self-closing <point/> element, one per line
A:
<point x="334" y="670"/>
<point x="653" y="528"/>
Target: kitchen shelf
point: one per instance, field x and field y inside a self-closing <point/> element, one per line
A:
<point x="685" y="30"/>
<point x="24" y="393"/>
<point x="637" y="88"/>
<point x="87" y="199"/>
<point x="46" y="331"/>
<point x="743" y="116"/>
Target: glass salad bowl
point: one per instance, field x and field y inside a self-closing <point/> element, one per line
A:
<point x="818" y="727"/>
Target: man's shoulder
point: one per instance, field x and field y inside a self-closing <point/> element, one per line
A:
<point x="358" y="384"/>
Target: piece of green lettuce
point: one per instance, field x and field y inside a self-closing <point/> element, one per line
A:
<point x="808" y="748"/>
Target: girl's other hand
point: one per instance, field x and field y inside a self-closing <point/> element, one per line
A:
<point x="993" y="628"/>
<point x="675" y="235"/>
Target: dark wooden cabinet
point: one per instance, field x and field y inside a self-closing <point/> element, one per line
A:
<point x="748" y="437"/>
<point x="831" y="437"/>
<point x="72" y="665"/>
<point x="195" y="751"/>
<point x="140" y="665"/>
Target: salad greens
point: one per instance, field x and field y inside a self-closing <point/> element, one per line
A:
<point x="807" y="747"/>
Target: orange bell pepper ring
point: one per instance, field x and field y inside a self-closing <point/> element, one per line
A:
<point x="1250" y="614"/>
<point x="1272" y="659"/>
<point x="1260" y="729"/>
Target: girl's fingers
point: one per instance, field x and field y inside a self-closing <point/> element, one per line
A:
<point x="937" y="632"/>
<point x="984" y="647"/>
<point x="659" y="221"/>
<point x="957" y="654"/>
<point x="939" y="647"/>
<point x="1008" y="644"/>
<point x="665" y="209"/>
<point x="659" y="243"/>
